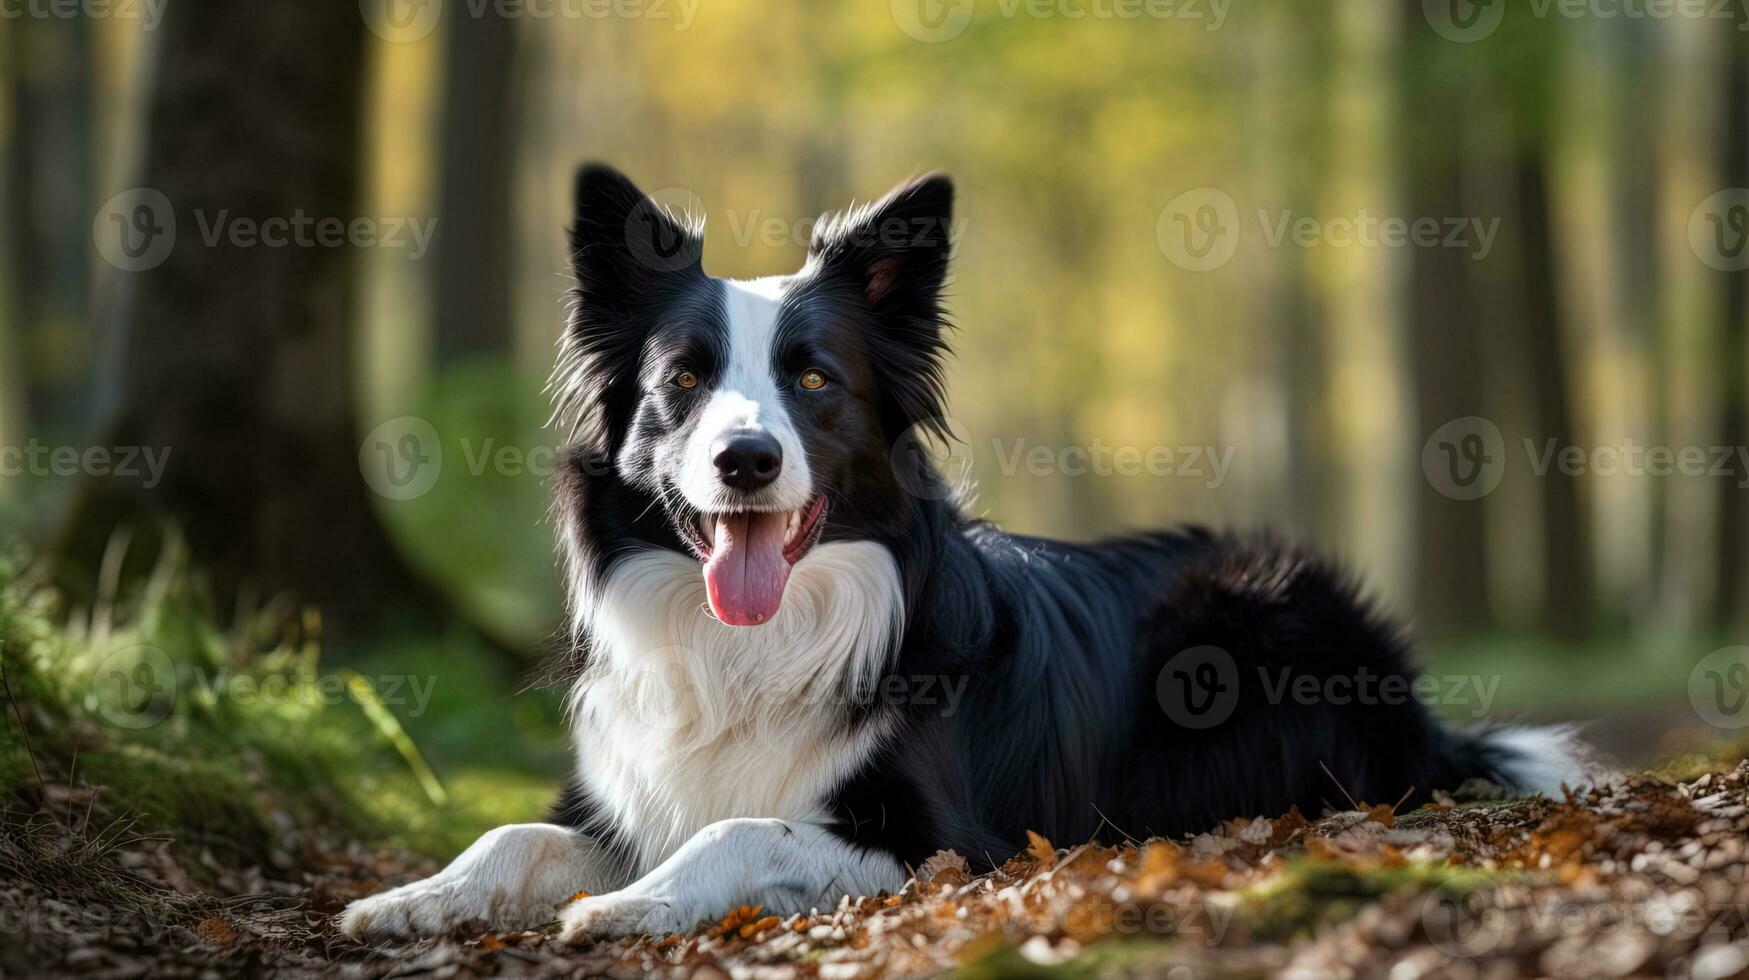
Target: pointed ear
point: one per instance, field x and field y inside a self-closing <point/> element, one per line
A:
<point x="623" y="242"/>
<point x="627" y="253"/>
<point x="893" y="255"/>
<point x="895" y="249"/>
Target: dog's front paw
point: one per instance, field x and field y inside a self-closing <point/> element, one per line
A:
<point x="621" y="913"/>
<point x="435" y="907"/>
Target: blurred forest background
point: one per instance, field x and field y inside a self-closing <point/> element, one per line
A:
<point x="1593" y="314"/>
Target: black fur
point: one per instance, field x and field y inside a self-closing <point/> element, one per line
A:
<point x="1062" y="728"/>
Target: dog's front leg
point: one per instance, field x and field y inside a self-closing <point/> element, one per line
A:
<point x="785" y="866"/>
<point x="514" y="877"/>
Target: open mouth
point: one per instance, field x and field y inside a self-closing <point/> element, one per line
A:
<point x="747" y="556"/>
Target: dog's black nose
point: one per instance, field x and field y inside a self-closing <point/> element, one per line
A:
<point x="748" y="460"/>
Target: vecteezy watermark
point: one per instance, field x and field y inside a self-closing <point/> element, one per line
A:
<point x="1203" y="922"/>
<point x="301" y="230"/>
<point x="150" y="13"/>
<point x="151" y="927"/>
<point x="665" y="695"/>
<point x="932" y="460"/>
<point x="1469" y="915"/>
<point x="1718" y="688"/>
<point x="37" y="459"/>
<point x="1468" y="21"/>
<point x="658" y="228"/>
<point x="138" y="687"/>
<point x="1209" y="464"/>
<point x="1465" y="459"/>
<point x="1460" y="917"/>
<point x="137" y="229"/>
<point x="1718" y="230"/>
<point x="403" y="458"/>
<point x="411" y="20"/>
<point x="1201" y="687"/>
<point x="776" y="231"/>
<point x="937" y="21"/>
<point x="1200" y="230"/>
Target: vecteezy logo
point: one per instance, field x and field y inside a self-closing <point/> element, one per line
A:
<point x="402" y="458"/>
<point x="135" y="687"/>
<point x="1199" y="687"/>
<point x="1464" y="21"/>
<point x="135" y="230"/>
<point x="932" y="21"/>
<point x="400" y="20"/>
<point x="1718" y="688"/>
<point x="1460" y="919"/>
<point x="1199" y="230"/>
<point x="1465" y="458"/>
<point x="929" y="466"/>
<point x="650" y="230"/>
<point x="1718" y="230"/>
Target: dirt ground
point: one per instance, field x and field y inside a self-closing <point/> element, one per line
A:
<point x="1644" y="877"/>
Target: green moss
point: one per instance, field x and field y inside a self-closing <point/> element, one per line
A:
<point x="1311" y="892"/>
<point x="214" y="738"/>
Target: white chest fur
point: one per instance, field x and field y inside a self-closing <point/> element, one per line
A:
<point x="682" y="721"/>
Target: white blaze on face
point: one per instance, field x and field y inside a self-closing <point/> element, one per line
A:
<point x="746" y="399"/>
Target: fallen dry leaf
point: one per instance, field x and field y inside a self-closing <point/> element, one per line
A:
<point x="1041" y="850"/>
<point x="216" y="930"/>
<point x="944" y="861"/>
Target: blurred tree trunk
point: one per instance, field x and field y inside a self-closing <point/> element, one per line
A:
<point x="236" y="359"/>
<point x="1733" y="333"/>
<point x="1445" y="344"/>
<point x="1299" y="85"/>
<point x="49" y="177"/>
<point x="1635" y="198"/>
<point x="479" y="133"/>
<point x="12" y="379"/>
<point x="1569" y="605"/>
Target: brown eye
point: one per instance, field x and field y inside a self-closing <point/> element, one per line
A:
<point x="686" y="379"/>
<point x="813" y="380"/>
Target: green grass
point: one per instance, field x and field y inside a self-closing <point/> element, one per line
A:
<point x="1620" y="670"/>
<point x="220" y="738"/>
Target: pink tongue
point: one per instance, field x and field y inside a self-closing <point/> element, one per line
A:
<point x="747" y="571"/>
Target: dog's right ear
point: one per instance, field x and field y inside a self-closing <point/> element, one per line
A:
<point x="623" y="242"/>
<point x="627" y="251"/>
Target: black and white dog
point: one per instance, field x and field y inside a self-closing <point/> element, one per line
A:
<point x="800" y="667"/>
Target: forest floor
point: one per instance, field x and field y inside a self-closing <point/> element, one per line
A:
<point x="1643" y="877"/>
<point x="160" y="816"/>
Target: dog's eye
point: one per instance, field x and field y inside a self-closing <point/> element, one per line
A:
<point x="686" y="379"/>
<point x="813" y="379"/>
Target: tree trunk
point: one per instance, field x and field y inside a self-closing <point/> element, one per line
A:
<point x="1733" y="309"/>
<point x="1445" y="341"/>
<point x="1569" y="605"/>
<point x="474" y="246"/>
<point x="233" y="357"/>
<point x="49" y="216"/>
<point x="1635" y="199"/>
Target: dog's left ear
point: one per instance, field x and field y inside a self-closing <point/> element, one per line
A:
<point x="895" y="249"/>
<point x="893" y="255"/>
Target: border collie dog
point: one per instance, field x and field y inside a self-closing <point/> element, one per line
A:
<point x="799" y="667"/>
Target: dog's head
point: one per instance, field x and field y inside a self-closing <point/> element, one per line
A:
<point x="758" y="416"/>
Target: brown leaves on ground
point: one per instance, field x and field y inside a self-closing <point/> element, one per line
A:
<point x="1644" y="877"/>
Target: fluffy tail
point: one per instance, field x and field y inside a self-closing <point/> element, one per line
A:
<point x="1528" y="760"/>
